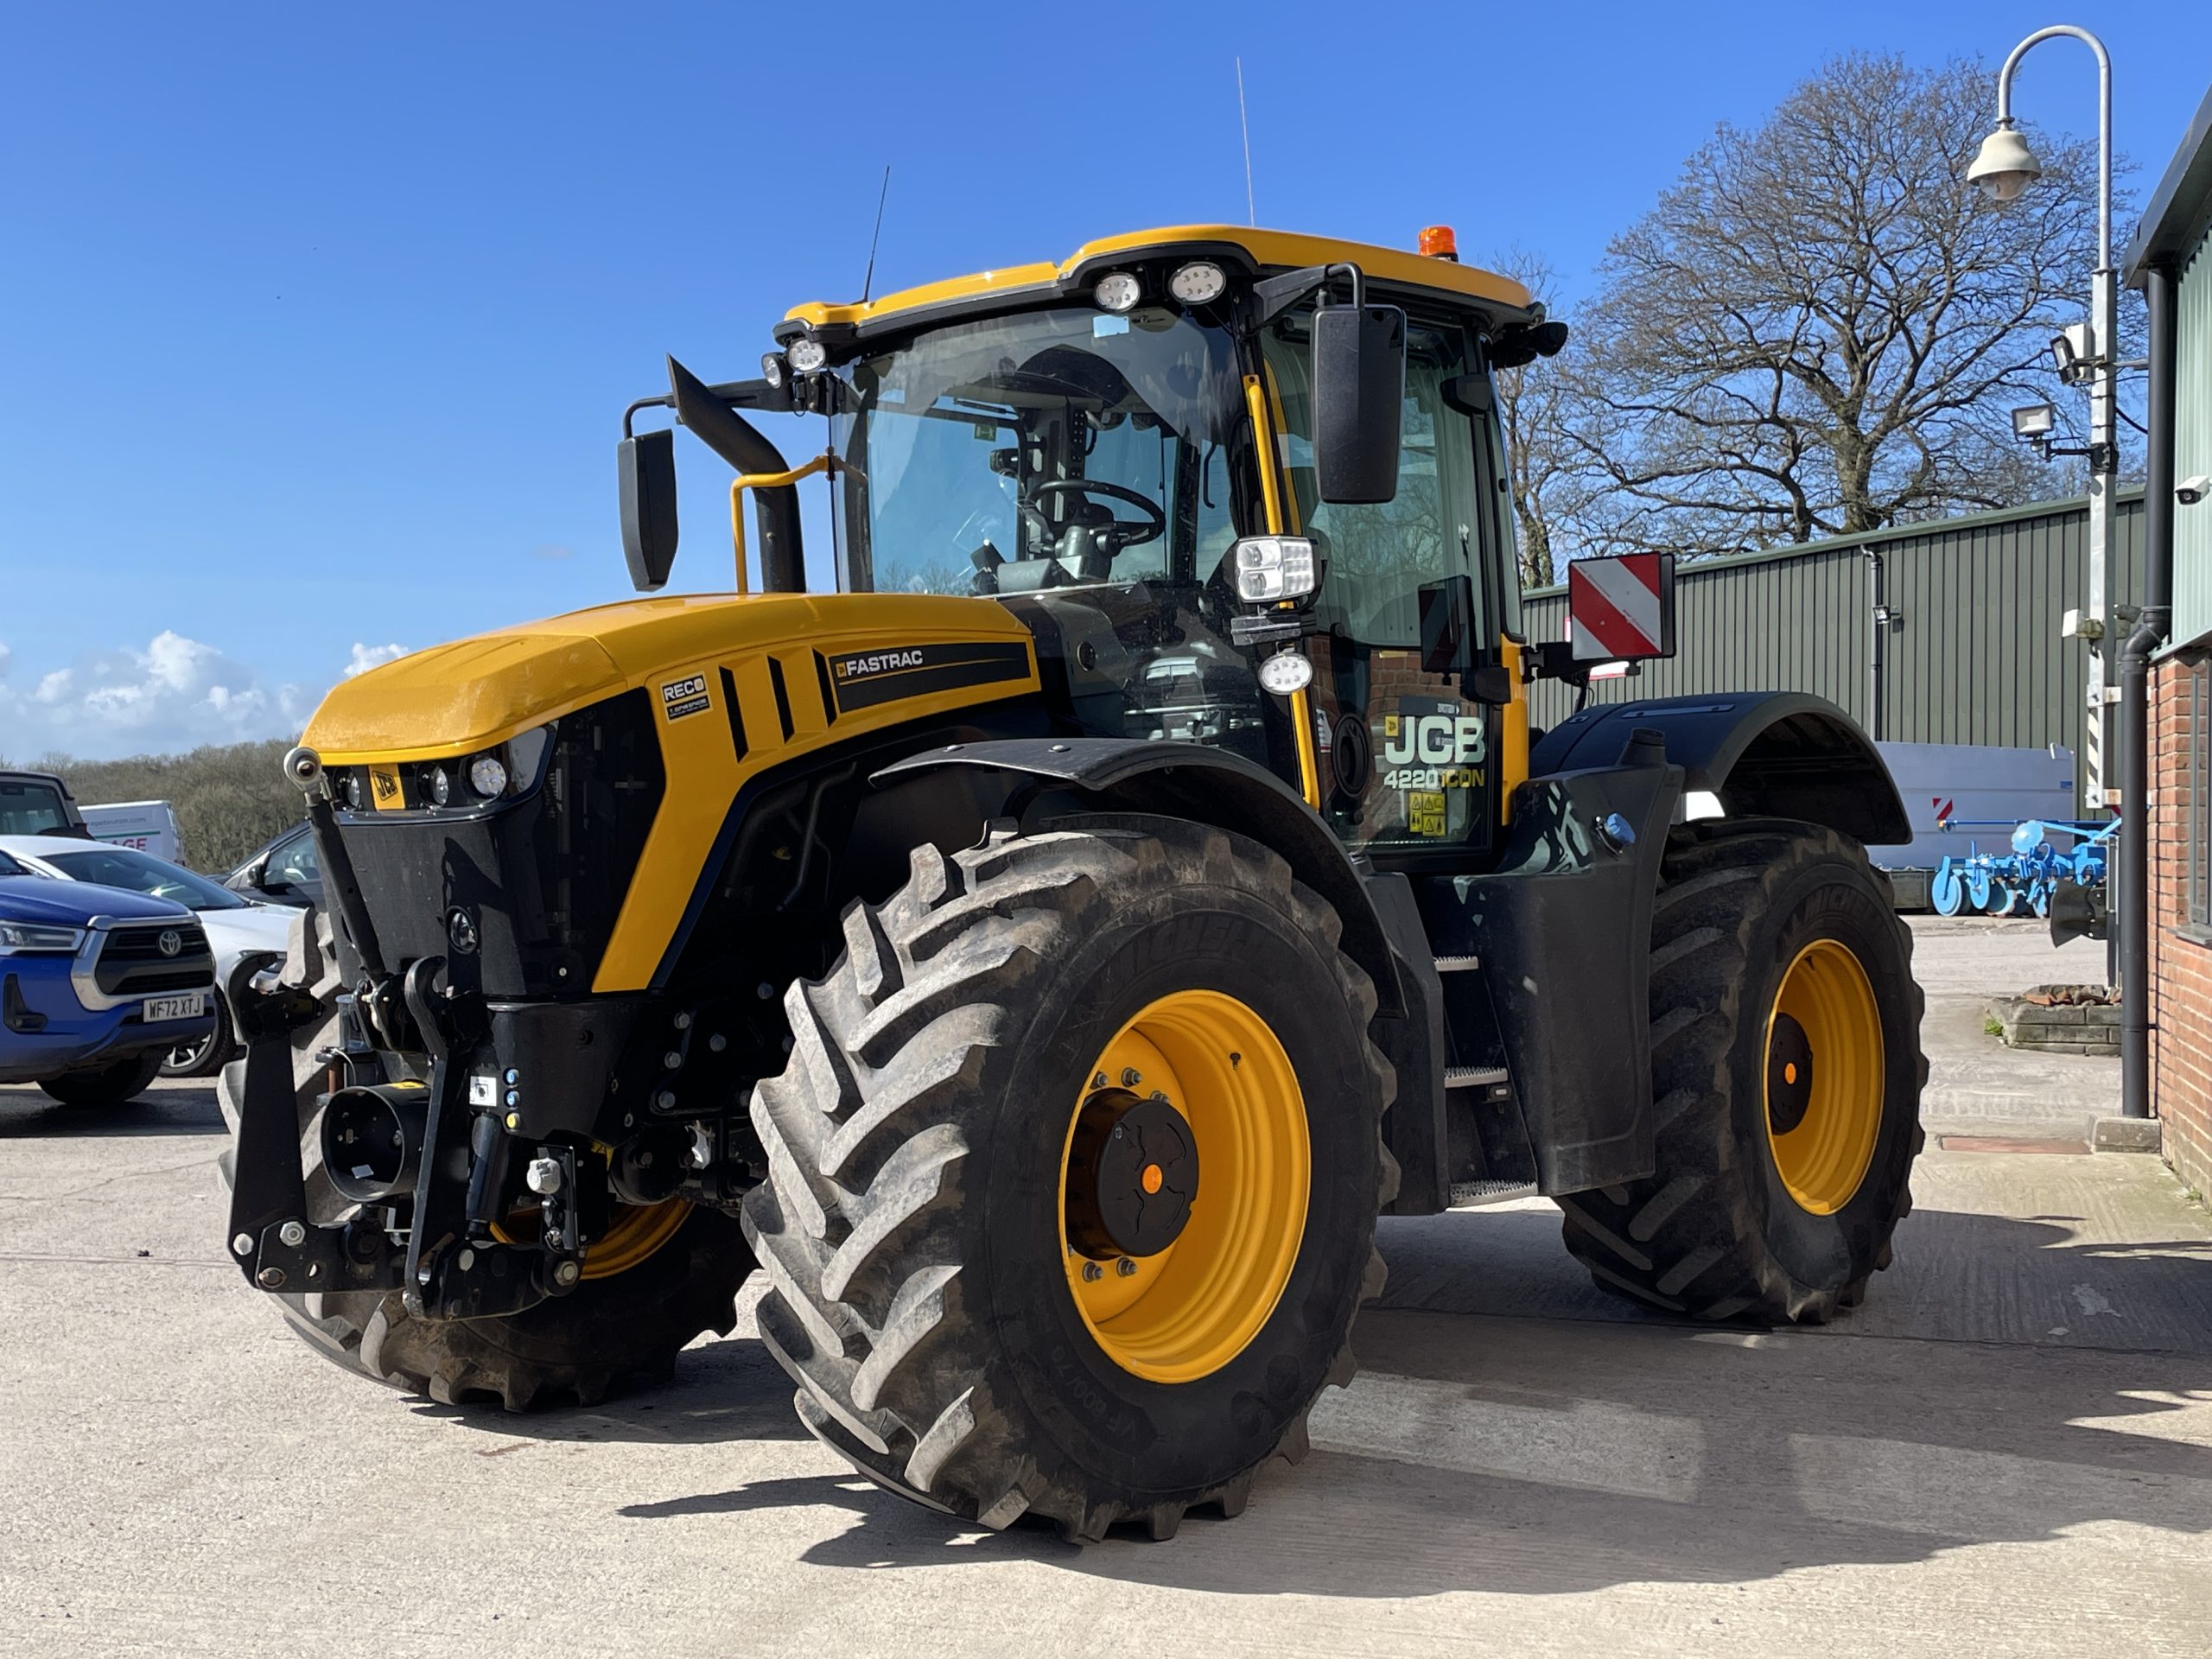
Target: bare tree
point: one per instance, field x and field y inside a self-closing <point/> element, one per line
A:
<point x="1553" y="482"/>
<point x="1821" y="328"/>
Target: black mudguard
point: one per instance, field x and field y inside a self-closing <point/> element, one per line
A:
<point x="1563" y="928"/>
<point x="1205" y="784"/>
<point x="1783" y="754"/>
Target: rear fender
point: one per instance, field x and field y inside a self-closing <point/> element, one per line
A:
<point x="1782" y="754"/>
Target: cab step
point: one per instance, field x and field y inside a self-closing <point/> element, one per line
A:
<point x="1474" y="1076"/>
<point x="1471" y="1195"/>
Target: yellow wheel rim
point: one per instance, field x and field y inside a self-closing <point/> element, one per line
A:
<point x="1187" y="1310"/>
<point x="1825" y="1078"/>
<point x="633" y="1235"/>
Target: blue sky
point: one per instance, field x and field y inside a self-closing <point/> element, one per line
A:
<point x="316" y="323"/>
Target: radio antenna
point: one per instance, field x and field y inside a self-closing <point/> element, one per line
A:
<point x="868" y="285"/>
<point x="1251" y="214"/>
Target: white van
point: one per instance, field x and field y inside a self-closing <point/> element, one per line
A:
<point x="150" y="826"/>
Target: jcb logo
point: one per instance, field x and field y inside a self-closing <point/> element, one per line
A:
<point x="1433" y="740"/>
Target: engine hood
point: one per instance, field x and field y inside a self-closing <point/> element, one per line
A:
<point x="454" y="699"/>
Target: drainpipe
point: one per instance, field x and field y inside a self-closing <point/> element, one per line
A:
<point x="2134" y="705"/>
<point x="1878" y="626"/>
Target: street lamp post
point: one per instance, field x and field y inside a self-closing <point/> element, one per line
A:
<point x="2004" y="169"/>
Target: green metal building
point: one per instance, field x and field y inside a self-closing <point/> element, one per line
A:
<point x="1947" y="632"/>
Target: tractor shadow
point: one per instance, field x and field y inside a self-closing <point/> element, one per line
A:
<point x="723" y="1392"/>
<point x="1488" y="1448"/>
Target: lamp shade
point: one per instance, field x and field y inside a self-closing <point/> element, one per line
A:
<point x="2006" y="166"/>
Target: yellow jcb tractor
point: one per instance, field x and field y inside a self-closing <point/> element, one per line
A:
<point x="1011" y="954"/>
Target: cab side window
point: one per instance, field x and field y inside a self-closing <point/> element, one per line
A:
<point x="1405" y="757"/>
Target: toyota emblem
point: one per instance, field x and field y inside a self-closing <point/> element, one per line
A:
<point x="171" y="942"/>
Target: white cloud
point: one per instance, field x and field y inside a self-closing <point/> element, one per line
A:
<point x="368" y="657"/>
<point x="175" y="694"/>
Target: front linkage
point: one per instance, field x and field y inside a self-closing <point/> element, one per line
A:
<point x="425" y="1114"/>
<point x="429" y="1154"/>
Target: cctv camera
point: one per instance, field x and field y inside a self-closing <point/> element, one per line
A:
<point x="2190" y="491"/>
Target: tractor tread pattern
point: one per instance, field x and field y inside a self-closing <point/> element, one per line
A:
<point x="1687" y="1239"/>
<point x="865" y="1303"/>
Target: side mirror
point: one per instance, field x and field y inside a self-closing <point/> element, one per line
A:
<point x="1359" y="388"/>
<point x="1621" y="609"/>
<point x="646" y="468"/>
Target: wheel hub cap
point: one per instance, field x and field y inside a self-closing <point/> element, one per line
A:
<point x="1133" y="1170"/>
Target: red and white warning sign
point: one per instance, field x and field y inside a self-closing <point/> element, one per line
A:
<point x="1621" y="609"/>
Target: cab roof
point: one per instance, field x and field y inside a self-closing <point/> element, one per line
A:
<point x="1254" y="249"/>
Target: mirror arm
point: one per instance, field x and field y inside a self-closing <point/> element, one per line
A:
<point x="630" y="413"/>
<point x="739" y="394"/>
<point x="1273" y="295"/>
<point x="711" y="420"/>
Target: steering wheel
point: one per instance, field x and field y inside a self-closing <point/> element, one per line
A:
<point x="1117" y="533"/>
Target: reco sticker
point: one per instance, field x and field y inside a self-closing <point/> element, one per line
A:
<point x="685" y="697"/>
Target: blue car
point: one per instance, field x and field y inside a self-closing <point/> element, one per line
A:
<point x="96" y="986"/>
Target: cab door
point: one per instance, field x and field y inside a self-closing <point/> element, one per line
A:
<point x="1407" y="761"/>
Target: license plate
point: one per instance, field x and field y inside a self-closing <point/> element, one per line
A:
<point x="190" y="1006"/>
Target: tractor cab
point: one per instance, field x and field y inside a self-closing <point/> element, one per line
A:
<point x="1243" y="489"/>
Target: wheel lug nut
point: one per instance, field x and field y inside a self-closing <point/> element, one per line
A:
<point x="1126" y="1267"/>
<point x="1131" y="1077"/>
<point x="1093" y="1273"/>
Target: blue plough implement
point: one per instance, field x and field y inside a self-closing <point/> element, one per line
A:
<point x="2021" y="882"/>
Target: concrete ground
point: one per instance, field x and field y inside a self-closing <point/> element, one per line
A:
<point x="2007" y="1450"/>
<point x="1975" y="1085"/>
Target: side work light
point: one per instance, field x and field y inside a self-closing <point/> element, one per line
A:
<point x="1274" y="566"/>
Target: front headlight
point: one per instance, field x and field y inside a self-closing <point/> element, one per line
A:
<point x="28" y="936"/>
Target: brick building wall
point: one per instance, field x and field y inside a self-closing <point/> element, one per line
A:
<point x="2181" y="952"/>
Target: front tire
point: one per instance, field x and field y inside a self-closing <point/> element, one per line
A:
<point x="1786" y="1079"/>
<point x="922" y="1226"/>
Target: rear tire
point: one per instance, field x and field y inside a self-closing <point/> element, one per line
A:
<point x="914" y="1224"/>
<point x="1717" y="1230"/>
<point x="606" y="1335"/>
<point x="110" y="1085"/>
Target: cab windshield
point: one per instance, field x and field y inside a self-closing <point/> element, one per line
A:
<point x="1053" y="449"/>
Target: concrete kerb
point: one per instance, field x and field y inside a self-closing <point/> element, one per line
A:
<point x="2127" y="1134"/>
<point x="2031" y="1021"/>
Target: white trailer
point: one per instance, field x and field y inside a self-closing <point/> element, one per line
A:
<point x="1986" y="788"/>
<point x="150" y="826"/>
